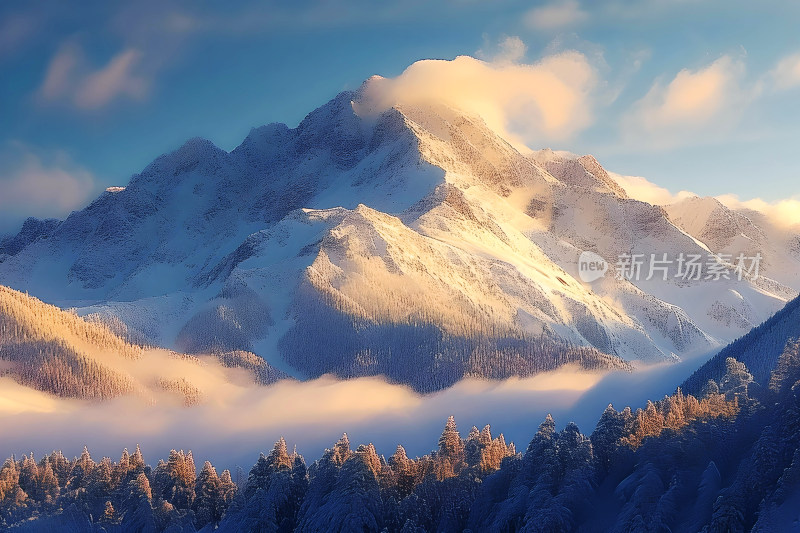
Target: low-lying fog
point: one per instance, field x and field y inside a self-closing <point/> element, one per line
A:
<point x="235" y="423"/>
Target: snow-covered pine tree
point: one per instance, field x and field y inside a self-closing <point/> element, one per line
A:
<point x="736" y="380"/>
<point x="209" y="503"/>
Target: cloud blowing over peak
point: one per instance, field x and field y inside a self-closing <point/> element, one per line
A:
<point x="529" y="104"/>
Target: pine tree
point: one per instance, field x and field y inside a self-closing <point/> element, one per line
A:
<point x="259" y="477"/>
<point x="341" y="450"/>
<point x="351" y="503"/>
<point x="486" y="435"/>
<point x="9" y="479"/>
<point x="137" y="505"/>
<point x="100" y="483"/>
<point x="209" y="503"/>
<point x="450" y="445"/>
<point x="61" y="467"/>
<point x="404" y="470"/>
<point x="370" y="458"/>
<point x="136" y="461"/>
<point x="607" y="436"/>
<point x="81" y="470"/>
<point x="279" y="456"/>
<point x="573" y="448"/>
<point x="494" y="452"/>
<point x="473" y="447"/>
<point x="736" y="380"/>
<point x="122" y="468"/>
<point x="29" y="475"/>
<point x="710" y="388"/>
<point x="787" y="370"/>
<point x="227" y="487"/>
<point x="47" y="484"/>
<point x="180" y="478"/>
<point x="108" y="514"/>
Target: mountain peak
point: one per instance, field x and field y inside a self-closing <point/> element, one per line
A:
<point x="578" y="171"/>
<point x="194" y="153"/>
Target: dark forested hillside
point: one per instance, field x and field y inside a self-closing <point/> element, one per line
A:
<point x="326" y="340"/>
<point x="725" y="460"/>
<point x="93" y="358"/>
<point x="759" y="349"/>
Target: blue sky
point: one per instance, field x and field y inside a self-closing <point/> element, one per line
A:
<point x="699" y="95"/>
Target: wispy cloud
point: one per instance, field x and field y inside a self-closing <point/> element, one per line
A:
<point x="695" y="105"/>
<point x="786" y="74"/>
<point x="71" y="80"/>
<point x="558" y="15"/>
<point x="783" y="213"/>
<point x="640" y="188"/>
<point x="58" y="77"/>
<point x="117" y="78"/>
<point x="509" y="49"/>
<point x="312" y="413"/>
<point x="43" y="183"/>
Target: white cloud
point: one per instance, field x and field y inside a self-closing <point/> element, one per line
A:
<point x="60" y="71"/>
<point x="786" y="75"/>
<point x="783" y="213"/>
<point x="40" y="183"/>
<point x="550" y="100"/>
<point x="696" y="105"/>
<point x="639" y="188"/>
<point x="70" y="79"/>
<point x="115" y="79"/>
<point x="558" y="15"/>
<point x="510" y="49"/>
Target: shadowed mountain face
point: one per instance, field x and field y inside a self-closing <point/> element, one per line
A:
<point x="32" y="229"/>
<point x="369" y="244"/>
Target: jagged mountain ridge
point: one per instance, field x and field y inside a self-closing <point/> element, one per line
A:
<point x="418" y="227"/>
<point x="32" y="230"/>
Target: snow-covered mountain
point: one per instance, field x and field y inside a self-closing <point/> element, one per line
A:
<point x="413" y="242"/>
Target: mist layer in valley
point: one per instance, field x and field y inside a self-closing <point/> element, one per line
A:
<point x="236" y="422"/>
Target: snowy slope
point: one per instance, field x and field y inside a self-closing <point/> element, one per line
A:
<point x="415" y="234"/>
